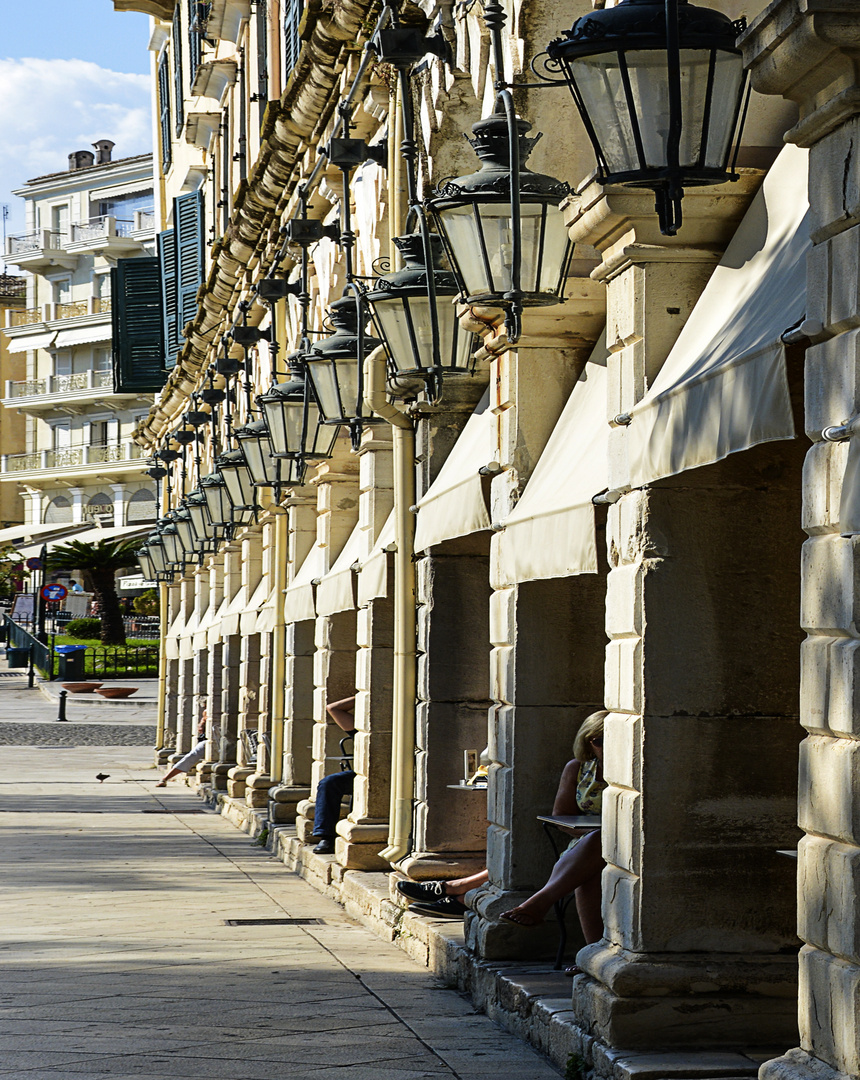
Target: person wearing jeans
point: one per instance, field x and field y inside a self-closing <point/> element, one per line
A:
<point x="332" y="789"/>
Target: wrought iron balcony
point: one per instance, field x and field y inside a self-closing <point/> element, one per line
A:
<point x="40" y="395"/>
<point x="72" y="458"/>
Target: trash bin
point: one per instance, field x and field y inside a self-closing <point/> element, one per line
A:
<point x="71" y="666"/>
<point x="17" y="657"/>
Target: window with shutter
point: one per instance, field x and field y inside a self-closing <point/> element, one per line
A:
<point x="188" y="229"/>
<point x="179" y="92"/>
<point x="262" y="58"/>
<point x="292" y="43"/>
<point x="170" y="313"/>
<point x="196" y="22"/>
<point x="136" y="315"/>
<point x="164" y="111"/>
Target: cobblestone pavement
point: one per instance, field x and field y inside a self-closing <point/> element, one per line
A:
<point x="117" y="960"/>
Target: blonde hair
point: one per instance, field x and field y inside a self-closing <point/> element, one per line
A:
<point x="591" y="727"/>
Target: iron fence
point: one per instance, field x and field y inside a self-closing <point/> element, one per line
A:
<point x="106" y="661"/>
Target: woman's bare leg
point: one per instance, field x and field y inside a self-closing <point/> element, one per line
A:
<point x="574" y="869"/>
<point x="460" y="886"/>
<point x="588" y="898"/>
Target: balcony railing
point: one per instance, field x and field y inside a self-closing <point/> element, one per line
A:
<point x="14" y="287"/>
<point x="101" y="305"/>
<point x="71" y="457"/>
<point x="73" y="310"/>
<point x="34" y="241"/>
<point x="25" y="316"/>
<point x="145" y="221"/>
<point x="97" y="228"/>
<point x="60" y="384"/>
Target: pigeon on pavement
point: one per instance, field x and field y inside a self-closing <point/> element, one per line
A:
<point x="102" y="776"/>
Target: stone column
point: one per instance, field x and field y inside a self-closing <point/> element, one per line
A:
<point x="236" y="689"/>
<point x="225" y="655"/>
<point x="334" y="636"/>
<point x="547" y="641"/>
<point x="364" y="831"/>
<point x="77" y="496"/>
<point x="299" y="672"/>
<point x="120" y="502"/>
<point x="701" y="682"/>
<point x="809" y="54"/>
<point x="256" y="677"/>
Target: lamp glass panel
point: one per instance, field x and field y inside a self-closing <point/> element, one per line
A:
<point x="217" y="503"/>
<point x="598" y="79"/>
<point x="258" y="459"/>
<point x="158" y="556"/>
<point x="187" y="535"/>
<point x="321" y="441"/>
<point x="172" y="548"/>
<point x="146" y="563"/>
<point x="335" y="382"/>
<point x="285" y="420"/>
<point x="728" y="82"/>
<point x="544" y="245"/>
<point x="240" y="486"/>
<point x="396" y="321"/>
<point x="200" y="520"/>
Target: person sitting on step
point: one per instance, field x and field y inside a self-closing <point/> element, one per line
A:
<point x="332" y="789"/>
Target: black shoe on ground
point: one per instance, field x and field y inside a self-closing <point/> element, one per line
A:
<point x="425" y="891"/>
<point x="325" y="846"/>
<point x="449" y="907"/>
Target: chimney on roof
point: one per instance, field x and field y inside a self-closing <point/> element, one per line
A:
<point x="81" y="159"/>
<point x="103" y="149"/>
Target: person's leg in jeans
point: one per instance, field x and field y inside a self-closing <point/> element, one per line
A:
<point x="330" y="793"/>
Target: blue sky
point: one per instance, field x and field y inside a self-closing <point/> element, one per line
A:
<point x="70" y="73"/>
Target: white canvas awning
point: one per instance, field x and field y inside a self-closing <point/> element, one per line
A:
<point x="25" y="534"/>
<point x="551" y="531"/>
<point x="83" y="335"/>
<point x="268" y="613"/>
<point x="248" y="618"/>
<point x="186" y="636"/>
<point x="336" y="590"/>
<point x="233" y="613"/>
<point x="206" y="623"/>
<point x="723" y="387"/>
<point x="213" y="635"/>
<point x="122" y="532"/>
<point x="31" y="341"/>
<point x="299" y="594"/>
<point x="373" y="579"/>
<point x="454" y="504"/>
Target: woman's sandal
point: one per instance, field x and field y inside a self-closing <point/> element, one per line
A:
<point x="509" y="916"/>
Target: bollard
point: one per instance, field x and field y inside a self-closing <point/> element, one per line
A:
<point x="31" y="674"/>
<point x="62" y="713"/>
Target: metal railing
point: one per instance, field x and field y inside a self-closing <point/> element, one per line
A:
<point x="101" y="305"/>
<point x="60" y="384"/>
<point x="19" y="638"/>
<point x="146" y="221"/>
<point x="71" y="456"/>
<point x="113" y="661"/>
<point x="35" y="241"/>
<point x="14" y="287"/>
<point x="72" y="309"/>
<point x="100" y="227"/>
<point x="26" y="316"/>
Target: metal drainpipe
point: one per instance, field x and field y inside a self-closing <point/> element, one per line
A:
<point x="405" y="659"/>
<point x="162" y="666"/>
<point x="279" y="647"/>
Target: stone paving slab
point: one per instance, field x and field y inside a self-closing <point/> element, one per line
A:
<point x="116" y="960"/>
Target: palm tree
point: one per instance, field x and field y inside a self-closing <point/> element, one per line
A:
<point x="99" y="562"/>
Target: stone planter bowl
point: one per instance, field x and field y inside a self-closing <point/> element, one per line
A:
<point x="117" y="691"/>
<point x="81" y="687"/>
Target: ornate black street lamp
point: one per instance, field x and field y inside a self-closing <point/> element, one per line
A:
<point x="240" y="486"/>
<point x="265" y="469"/>
<point x="401" y="308"/>
<point x="220" y="509"/>
<point x="335" y="366"/>
<point x="501" y="226"/>
<point x="660" y="86"/>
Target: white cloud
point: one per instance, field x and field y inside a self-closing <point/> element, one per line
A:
<point x="53" y="107"/>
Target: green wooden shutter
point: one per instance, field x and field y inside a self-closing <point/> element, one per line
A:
<point x="196" y="20"/>
<point x="188" y="228"/>
<point x="178" y="90"/>
<point x="292" y="42"/>
<point x="170" y="312"/>
<point x="164" y="112"/>
<point x="262" y="57"/>
<point x="137" y="345"/>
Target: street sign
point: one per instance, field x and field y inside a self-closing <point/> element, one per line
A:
<point x="54" y="592"/>
<point x="33" y="564"/>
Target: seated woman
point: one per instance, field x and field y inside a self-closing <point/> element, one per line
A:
<point x="578" y="868"/>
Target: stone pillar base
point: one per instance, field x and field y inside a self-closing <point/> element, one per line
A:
<point x="430" y="865"/>
<point x="283" y="801"/>
<point x="798" y="1065"/>
<point x="220" y="774"/>
<point x="162" y="755"/>
<point x="493" y="938"/>
<point x="236" y="780"/>
<point x="305" y="820"/>
<point x="204" y="772"/>
<point x="357" y="847"/>
<point x="257" y="790"/>
<point x="621" y="1065"/>
<point x="693" y="1001"/>
<point x="172" y="757"/>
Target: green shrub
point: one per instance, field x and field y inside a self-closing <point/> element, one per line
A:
<point x="146" y="603"/>
<point x="84" y="628"/>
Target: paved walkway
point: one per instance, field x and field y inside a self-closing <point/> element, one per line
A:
<point x="117" y="960"/>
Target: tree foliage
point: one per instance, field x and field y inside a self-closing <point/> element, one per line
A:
<point x="99" y="562"/>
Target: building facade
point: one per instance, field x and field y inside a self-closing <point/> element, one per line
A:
<point x="13" y="297"/>
<point x="641" y="498"/>
<point x="75" y="461"/>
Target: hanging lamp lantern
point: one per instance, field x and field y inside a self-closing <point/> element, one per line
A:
<point x="158" y="557"/>
<point x="403" y="317"/>
<point x="284" y="407"/>
<point x="214" y="491"/>
<point x="335" y="366"/>
<point x="240" y="486"/>
<point x="187" y="535"/>
<point x="498" y="260"/>
<point x="660" y="86"/>
<point x="146" y="563"/>
<point x="173" y="551"/>
<point x="204" y="530"/>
